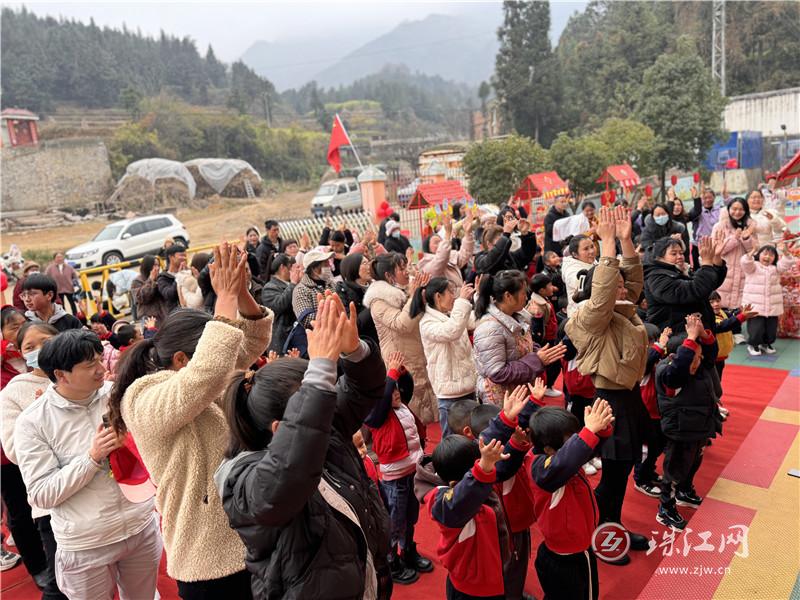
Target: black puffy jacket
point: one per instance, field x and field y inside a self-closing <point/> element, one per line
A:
<point x="688" y="403"/>
<point x="500" y="257"/>
<point x="671" y="295"/>
<point x="298" y="545"/>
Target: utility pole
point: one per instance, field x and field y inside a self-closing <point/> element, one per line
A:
<point x="718" y="43"/>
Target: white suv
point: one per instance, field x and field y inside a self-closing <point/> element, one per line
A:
<point x="128" y="239"/>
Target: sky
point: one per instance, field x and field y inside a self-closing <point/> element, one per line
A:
<point x="232" y="27"/>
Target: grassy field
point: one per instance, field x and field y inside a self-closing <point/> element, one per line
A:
<point x="227" y="219"/>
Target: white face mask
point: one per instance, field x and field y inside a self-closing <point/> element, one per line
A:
<point x="32" y="358"/>
<point x="661" y="219"/>
<point x="326" y="274"/>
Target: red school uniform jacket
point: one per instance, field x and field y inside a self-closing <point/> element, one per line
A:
<point x="565" y="506"/>
<point x="469" y="538"/>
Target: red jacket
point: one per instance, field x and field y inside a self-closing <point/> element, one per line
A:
<point x="648" y="384"/>
<point x="517" y="496"/>
<point x="577" y="384"/>
<point x="564" y="502"/>
<point x="389" y="440"/>
<point x="469" y="541"/>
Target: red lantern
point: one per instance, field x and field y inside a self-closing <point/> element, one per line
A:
<point x="384" y="205"/>
<point x="612" y="197"/>
<point x="674" y="180"/>
<point x="697" y="177"/>
<point x="648" y="190"/>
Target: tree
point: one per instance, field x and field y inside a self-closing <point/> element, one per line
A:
<point x="629" y="142"/>
<point x="496" y="167"/>
<point x="580" y="160"/>
<point x="483" y="93"/>
<point x="683" y="106"/>
<point x="130" y="98"/>
<point x="525" y="69"/>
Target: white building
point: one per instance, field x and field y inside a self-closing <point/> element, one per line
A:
<point x="765" y="112"/>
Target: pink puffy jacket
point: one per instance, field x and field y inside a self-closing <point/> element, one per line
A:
<point x="762" y="286"/>
<point x="731" y="289"/>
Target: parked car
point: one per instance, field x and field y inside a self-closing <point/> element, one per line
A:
<point x="406" y="193"/>
<point x="128" y="239"/>
<point x="336" y="196"/>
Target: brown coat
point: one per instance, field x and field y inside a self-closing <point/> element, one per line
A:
<point x="63" y="277"/>
<point x="611" y="339"/>
<point x="398" y="332"/>
<point x="177" y="420"/>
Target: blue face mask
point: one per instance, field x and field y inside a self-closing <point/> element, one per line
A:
<point x="661" y="220"/>
<point x="32" y="359"/>
<point x="396" y="233"/>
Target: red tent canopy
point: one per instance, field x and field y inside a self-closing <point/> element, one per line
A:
<point x="546" y="185"/>
<point x="432" y="194"/>
<point x="789" y="171"/>
<point x="621" y="174"/>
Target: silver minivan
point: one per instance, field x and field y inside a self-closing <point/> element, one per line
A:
<point x="336" y="196"/>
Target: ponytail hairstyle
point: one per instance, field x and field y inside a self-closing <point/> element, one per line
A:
<point x="256" y="399"/>
<point x="490" y="235"/>
<point x="385" y="265"/>
<point x="575" y="243"/>
<point x="180" y="332"/>
<point x="427" y="295"/>
<point x="494" y="287"/>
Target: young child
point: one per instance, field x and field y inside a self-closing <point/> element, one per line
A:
<point x="39" y="293"/>
<point x="564" y="502"/>
<point x="726" y="326"/>
<point x="396" y="441"/>
<point x="544" y="325"/>
<point x="762" y="289"/>
<point x="687" y="400"/>
<point x="473" y="534"/>
<point x="458" y="417"/>
<point x="645" y="478"/>
<point x="579" y="393"/>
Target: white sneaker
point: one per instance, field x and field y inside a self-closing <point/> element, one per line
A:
<point x="8" y="560"/>
<point x="10" y="541"/>
<point x="765" y="348"/>
<point x="753" y="351"/>
<point x="589" y="469"/>
<point x="738" y="338"/>
<point x="551" y="393"/>
<point x="597" y="463"/>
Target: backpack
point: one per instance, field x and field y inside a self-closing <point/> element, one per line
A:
<point x="297" y="337"/>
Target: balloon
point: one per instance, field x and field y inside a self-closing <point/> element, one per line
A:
<point x="697" y="177"/>
<point x="648" y="190"/>
<point x="384" y="205"/>
<point x="674" y="179"/>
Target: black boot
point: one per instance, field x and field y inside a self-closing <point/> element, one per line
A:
<point x="400" y="572"/>
<point x="414" y="560"/>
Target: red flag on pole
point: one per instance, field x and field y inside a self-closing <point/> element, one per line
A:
<point x="338" y="139"/>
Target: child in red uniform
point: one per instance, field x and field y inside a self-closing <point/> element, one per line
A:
<point x="396" y="441"/>
<point x="566" y="509"/>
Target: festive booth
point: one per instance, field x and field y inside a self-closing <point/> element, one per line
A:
<point x="789" y="171"/>
<point x="539" y="190"/>
<point x="437" y="196"/>
<point x="789" y="322"/>
<point x="617" y="175"/>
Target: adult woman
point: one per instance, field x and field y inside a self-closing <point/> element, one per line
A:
<point x="146" y="297"/>
<point x="660" y="224"/>
<point x="388" y="299"/>
<point x="439" y="260"/>
<point x="443" y="330"/>
<point x="582" y="254"/>
<point x="29" y="525"/>
<point x="316" y="280"/>
<point x="505" y="354"/>
<point x="769" y="226"/>
<point x="496" y="254"/>
<point x="293" y="484"/>
<point x="737" y="232"/>
<point x="276" y="295"/>
<point x="13" y="362"/>
<point x="612" y="347"/>
<point x="189" y="293"/>
<point x="356" y="276"/>
<point x="168" y="394"/>
<point x="252" y="238"/>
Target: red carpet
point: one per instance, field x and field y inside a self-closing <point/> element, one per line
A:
<point x="742" y="397"/>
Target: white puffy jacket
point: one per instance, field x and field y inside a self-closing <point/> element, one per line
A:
<point x="52" y="438"/>
<point x="447" y="349"/>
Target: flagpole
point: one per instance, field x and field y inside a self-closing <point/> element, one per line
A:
<point x="349" y="140"/>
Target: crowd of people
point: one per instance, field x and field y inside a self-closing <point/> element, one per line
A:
<point x="265" y="415"/>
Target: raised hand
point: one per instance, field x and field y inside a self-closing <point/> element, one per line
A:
<point x="395" y="361"/>
<point x="296" y="273"/>
<point x="509" y="223"/>
<point x="748" y="312"/>
<point x="491" y="454"/>
<point x="706" y="248"/>
<point x="549" y="354"/>
<point x="227" y="279"/>
<point x="538" y="388"/>
<point x="664" y="337"/>
<point x="467" y="291"/>
<point x="421" y="280"/>
<point x="520" y="436"/>
<point x="622" y="223"/>
<point x="447" y="222"/>
<point x="154" y="271"/>
<point x="694" y="327"/>
<point x="598" y="416"/>
<point x="272" y="356"/>
<point x="515" y="401"/>
<point x="293" y="353"/>
<point x="325" y="339"/>
<point x="606" y="226"/>
<point x="524" y="226"/>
